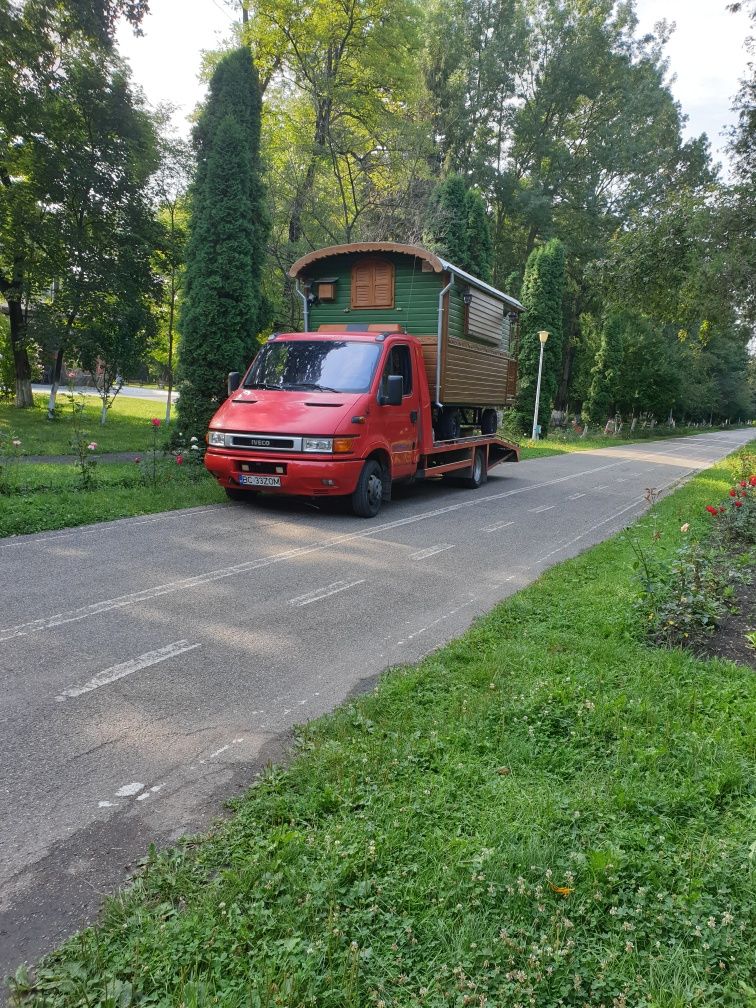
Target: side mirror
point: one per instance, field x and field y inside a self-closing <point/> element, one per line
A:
<point x="392" y="396"/>
<point x="233" y="381"/>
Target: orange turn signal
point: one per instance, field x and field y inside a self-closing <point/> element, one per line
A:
<point x="342" y="445"/>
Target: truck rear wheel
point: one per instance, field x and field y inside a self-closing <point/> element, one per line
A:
<point x="368" y="495"/>
<point x="478" y="472"/>
<point x="489" y="421"/>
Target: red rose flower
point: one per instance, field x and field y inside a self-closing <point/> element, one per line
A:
<point x="711" y="510"/>
<point x="155" y="421"/>
<point x="733" y="492"/>
<point x="752" y="480"/>
<point x="738" y="503"/>
<point x="743" y="483"/>
<point x="179" y="459"/>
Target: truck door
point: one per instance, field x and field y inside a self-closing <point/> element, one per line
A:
<point x="400" y="423"/>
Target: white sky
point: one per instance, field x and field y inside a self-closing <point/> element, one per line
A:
<point x="706" y="55"/>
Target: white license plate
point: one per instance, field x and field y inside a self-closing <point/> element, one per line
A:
<point x="271" y="481"/>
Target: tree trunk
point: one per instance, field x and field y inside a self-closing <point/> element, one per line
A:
<point x="55" y="383"/>
<point x="171" y="312"/>
<point x="24" y="398"/>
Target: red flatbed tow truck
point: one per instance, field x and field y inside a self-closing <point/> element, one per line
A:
<point x="339" y="414"/>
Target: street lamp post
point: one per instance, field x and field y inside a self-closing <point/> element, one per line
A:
<point x="542" y="336"/>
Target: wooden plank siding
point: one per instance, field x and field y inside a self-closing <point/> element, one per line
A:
<point x="473" y="375"/>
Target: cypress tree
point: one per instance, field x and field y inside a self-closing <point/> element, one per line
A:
<point x="605" y="374"/>
<point x="222" y="311"/>
<point x="479" y="240"/>
<point x="447" y="232"/>
<point x="542" y="289"/>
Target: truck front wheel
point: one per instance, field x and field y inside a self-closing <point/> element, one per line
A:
<point x="368" y="496"/>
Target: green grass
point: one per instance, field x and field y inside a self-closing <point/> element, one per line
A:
<point x="41" y="497"/>
<point x="127" y="427"/>
<point x="545" y="812"/>
<point x="560" y="442"/>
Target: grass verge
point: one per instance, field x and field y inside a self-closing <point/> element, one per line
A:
<point x="544" y="813"/>
<point x="127" y="427"/>
<point x="46" y="496"/>
<point x="559" y="442"/>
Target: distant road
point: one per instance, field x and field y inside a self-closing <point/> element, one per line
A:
<point x="130" y="391"/>
<point x="149" y="667"/>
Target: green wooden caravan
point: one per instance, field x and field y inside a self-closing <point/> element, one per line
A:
<point x="468" y="329"/>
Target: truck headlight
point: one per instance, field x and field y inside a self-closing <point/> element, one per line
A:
<point x="317" y="444"/>
<point x="217" y="438"/>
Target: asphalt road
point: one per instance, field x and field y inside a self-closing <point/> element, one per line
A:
<point x="150" y="667"/>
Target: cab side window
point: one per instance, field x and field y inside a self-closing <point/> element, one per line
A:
<point x="399" y="362"/>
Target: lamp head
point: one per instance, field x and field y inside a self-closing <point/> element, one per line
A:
<point x="543" y="335"/>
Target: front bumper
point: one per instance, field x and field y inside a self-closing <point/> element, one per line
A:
<point x="300" y="476"/>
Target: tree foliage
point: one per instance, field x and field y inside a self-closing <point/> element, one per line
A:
<point x="223" y="311"/>
<point x="542" y="292"/>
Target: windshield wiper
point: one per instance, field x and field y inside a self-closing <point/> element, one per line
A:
<point x="312" y="385"/>
<point x="265" y="385"/>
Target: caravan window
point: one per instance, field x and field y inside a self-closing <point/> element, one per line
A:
<point x="373" y="284"/>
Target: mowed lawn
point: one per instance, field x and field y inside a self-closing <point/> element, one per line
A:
<point x="127" y="427"/>
<point x="547" y="812"/>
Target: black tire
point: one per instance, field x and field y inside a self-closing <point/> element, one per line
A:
<point x="448" y="425"/>
<point x="368" y="496"/>
<point x="478" y="472"/>
<point x="489" y="422"/>
<point x="235" y="494"/>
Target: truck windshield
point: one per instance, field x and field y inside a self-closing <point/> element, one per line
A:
<point x="317" y="365"/>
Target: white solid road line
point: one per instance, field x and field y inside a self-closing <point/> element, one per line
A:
<point x="423" y="554"/>
<point x="576" y="496"/>
<point x="116" y="672"/>
<point x="325" y="592"/>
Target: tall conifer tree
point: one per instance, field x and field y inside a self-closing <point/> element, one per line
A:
<point x="542" y="290"/>
<point x="446" y="233"/>
<point x="222" y="311"/>
<point x="479" y="241"/>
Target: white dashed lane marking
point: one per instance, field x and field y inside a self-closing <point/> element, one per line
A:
<point x="324" y="592"/>
<point x="423" y="554"/>
<point x="116" y="672"/>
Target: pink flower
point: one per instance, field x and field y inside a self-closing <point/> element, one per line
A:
<point x="155" y="421"/>
<point x="179" y="459"/>
<point x="92" y="445"/>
